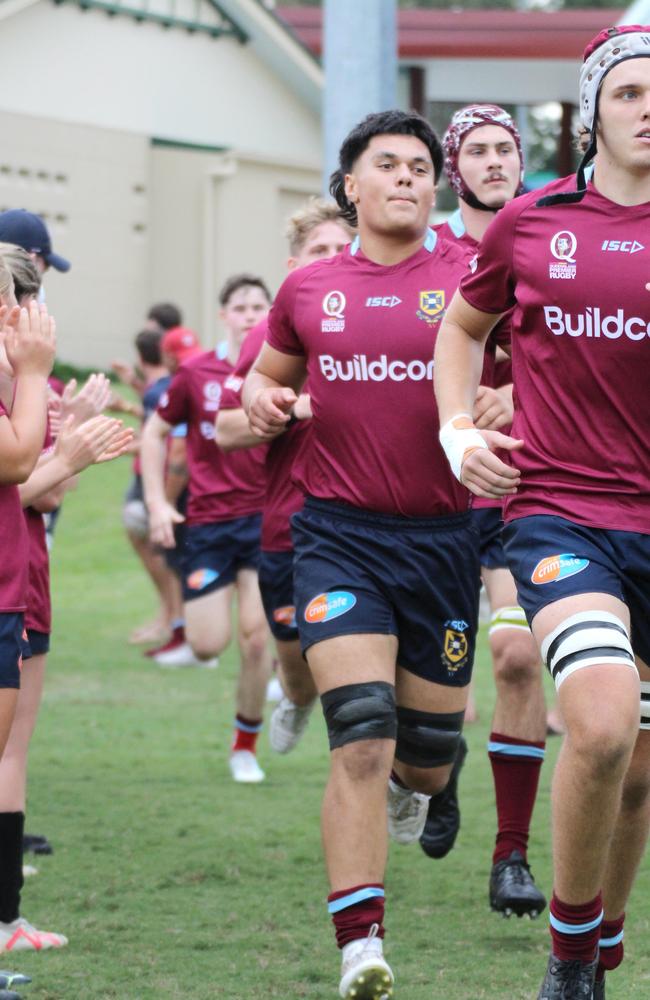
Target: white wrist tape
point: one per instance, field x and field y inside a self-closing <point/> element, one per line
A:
<point x="457" y="441"/>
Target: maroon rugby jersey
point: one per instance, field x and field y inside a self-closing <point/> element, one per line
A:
<point x="454" y="229"/>
<point x="576" y="275"/>
<point x="368" y="333"/>
<point x="14" y="546"/>
<point x="38" y="615"/>
<point x="221" y="486"/>
<point x="283" y="498"/>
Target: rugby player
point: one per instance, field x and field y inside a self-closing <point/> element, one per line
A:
<point x="386" y="570"/>
<point x="577" y="496"/>
<point x="315" y="232"/>
<point x="484" y="166"/>
<point x="222" y="537"/>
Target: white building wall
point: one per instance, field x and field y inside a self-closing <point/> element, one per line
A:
<point x="113" y="72"/>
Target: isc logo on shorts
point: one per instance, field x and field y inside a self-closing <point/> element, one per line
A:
<point x="559" y="567"/>
<point x="325" y="607"/>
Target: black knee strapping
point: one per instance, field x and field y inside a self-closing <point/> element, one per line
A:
<point x="425" y="739"/>
<point x="360" y="712"/>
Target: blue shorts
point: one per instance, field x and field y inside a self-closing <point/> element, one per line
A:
<point x="356" y="571"/>
<point x="39" y="643"/>
<point x="213" y="554"/>
<point x="276" y="587"/>
<point x="551" y="558"/>
<point x="489" y="524"/>
<point x="13" y="648"/>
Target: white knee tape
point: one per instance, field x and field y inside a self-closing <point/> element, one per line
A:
<point x="511" y="617"/>
<point x="586" y="640"/>
<point x="645" y="705"/>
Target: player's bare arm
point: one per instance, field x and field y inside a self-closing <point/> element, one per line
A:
<point x="153" y="452"/>
<point x="457" y="371"/>
<point x="271" y="389"/>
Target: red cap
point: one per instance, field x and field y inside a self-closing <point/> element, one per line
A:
<point x="182" y="342"/>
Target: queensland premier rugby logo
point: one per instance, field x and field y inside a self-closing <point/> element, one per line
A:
<point x="563" y="247"/>
<point x="455" y="646"/>
<point x="211" y="396"/>
<point x="325" y="607"/>
<point x="334" y="309"/>
<point x="558" y="567"/>
<point x="432" y="306"/>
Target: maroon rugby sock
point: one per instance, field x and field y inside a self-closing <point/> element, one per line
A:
<point x="611" y="948"/>
<point x="575" y="929"/>
<point x="246" y="733"/>
<point x="515" y="768"/>
<point x="355" y="910"/>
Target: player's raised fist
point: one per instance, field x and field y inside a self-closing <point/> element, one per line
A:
<point x="269" y="411"/>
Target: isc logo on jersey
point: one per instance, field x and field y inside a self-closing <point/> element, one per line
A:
<point x="361" y="368"/>
<point x="592" y="323"/>
<point x="622" y="246"/>
<point x="325" y="607"/>
<point x="383" y="302"/>
<point x="558" y="567"/>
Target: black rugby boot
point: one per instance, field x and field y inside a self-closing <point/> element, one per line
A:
<point x="568" y="980"/>
<point x="443" y="817"/>
<point x="599" y="989"/>
<point x="513" y="889"/>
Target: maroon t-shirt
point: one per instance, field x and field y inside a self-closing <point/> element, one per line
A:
<point x="14" y="547"/>
<point x="368" y="333"/>
<point x="576" y="276"/>
<point x="283" y="498"/>
<point x="221" y="486"/>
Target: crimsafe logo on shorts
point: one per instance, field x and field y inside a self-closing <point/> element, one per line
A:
<point x="285" y="616"/>
<point x="325" y="607"/>
<point x="558" y="567"/>
<point x="563" y="247"/>
<point x="334" y="309"/>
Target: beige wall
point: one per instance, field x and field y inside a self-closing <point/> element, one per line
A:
<point x="91" y="185"/>
<point x="63" y="63"/>
<point x="231" y="219"/>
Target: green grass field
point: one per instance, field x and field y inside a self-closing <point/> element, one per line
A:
<point x="171" y="881"/>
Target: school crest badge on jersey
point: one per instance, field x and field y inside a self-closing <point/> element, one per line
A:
<point x="432" y="306"/>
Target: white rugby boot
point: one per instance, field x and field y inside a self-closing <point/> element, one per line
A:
<point x="365" y="973"/>
<point x="288" y="723"/>
<point x="407" y="813"/>
<point x="244" y="767"/>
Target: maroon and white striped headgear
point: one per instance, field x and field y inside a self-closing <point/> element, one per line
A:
<point x="463" y="122"/>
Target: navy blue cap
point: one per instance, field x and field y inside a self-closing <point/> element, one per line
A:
<point x="28" y="231"/>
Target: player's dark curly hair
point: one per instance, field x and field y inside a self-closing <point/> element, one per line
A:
<point x="356" y="142"/>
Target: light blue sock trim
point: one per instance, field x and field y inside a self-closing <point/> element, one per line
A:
<point x="514" y="750"/>
<point x="613" y="941"/>
<point x="559" y="925"/>
<point x="248" y="729"/>
<point x="371" y="892"/>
